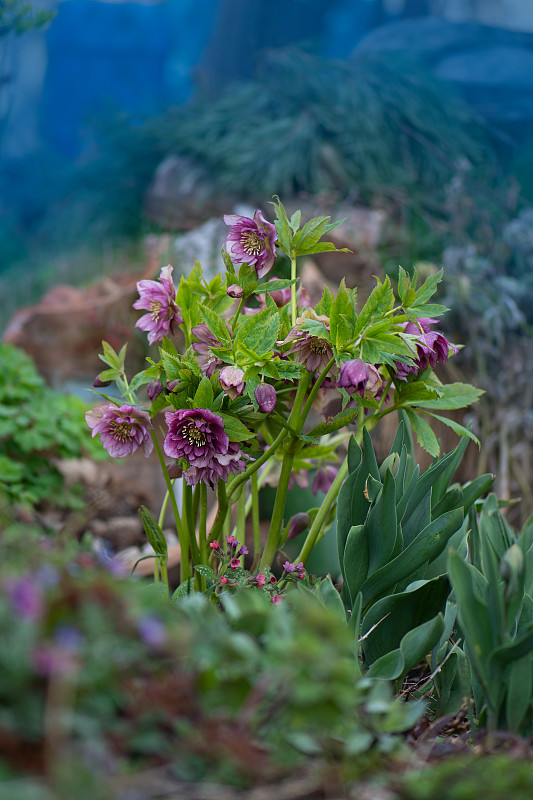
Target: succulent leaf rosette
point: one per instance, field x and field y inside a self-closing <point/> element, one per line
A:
<point x="267" y="389"/>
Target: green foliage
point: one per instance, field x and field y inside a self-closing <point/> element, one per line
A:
<point x="325" y="125"/>
<point x="38" y="426"/>
<point x="495" y="615"/>
<point x="393" y="527"/>
<point x="219" y="695"/>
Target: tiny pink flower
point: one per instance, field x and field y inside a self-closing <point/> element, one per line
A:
<point x="122" y="430"/>
<point x="232" y="541"/>
<point x="251" y="241"/>
<point x="223" y="580"/>
<point x="260" y="580"/>
<point x="158" y="298"/>
<point x="214" y="545"/>
<point x="234" y="563"/>
<point x="276" y="599"/>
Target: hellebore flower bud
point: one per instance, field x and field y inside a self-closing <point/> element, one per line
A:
<point x="298" y="524"/>
<point x="153" y="390"/>
<point x="99" y="384"/>
<point x="235" y="291"/>
<point x="231" y="380"/>
<point x="265" y="394"/>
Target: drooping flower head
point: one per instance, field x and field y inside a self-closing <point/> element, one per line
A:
<point x="207" y="361"/>
<point x="324" y="477"/>
<point x="313" y="351"/>
<point x="158" y="298"/>
<point x="198" y="436"/>
<point x="251" y="241"/>
<point x="122" y="430"/>
<point x="266" y="397"/>
<point x="231" y="381"/>
<point x="432" y="348"/>
<point x="357" y="377"/>
<point x="195" y="434"/>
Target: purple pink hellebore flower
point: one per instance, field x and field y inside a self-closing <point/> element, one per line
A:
<point x="324" y="477"/>
<point x="122" y="430"/>
<point x="432" y="348"/>
<point x="231" y="381"/>
<point x="251" y="241"/>
<point x="158" y="298"/>
<point x="266" y="397"/>
<point x="207" y="360"/>
<point x="198" y="436"/>
<point x="357" y="377"/>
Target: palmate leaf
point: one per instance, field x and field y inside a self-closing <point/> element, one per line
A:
<point x="424" y="433"/>
<point x="452" y="396"/>
<point x="380" y="301"/>
<point x="455" y="426"/>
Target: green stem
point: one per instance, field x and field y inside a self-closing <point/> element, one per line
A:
<point x="164" y="571"/>
<point x="323" y="512"/>
<point x="185" y="571"/>
<point x="241" y="517"/>
<point x="239" y="308"/>
<point x="255" y="516"/>
<point x="314" y="391"/>
<point x="190" y="522"/>
<point x="240" y="479"/>
<point x="222" y="511"/>
<point x="296" y="421"/>
<point x="202" y="534"/>
<point x="294" y="308"/>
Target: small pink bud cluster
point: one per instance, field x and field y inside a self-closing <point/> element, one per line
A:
<point x="294" y="571"/>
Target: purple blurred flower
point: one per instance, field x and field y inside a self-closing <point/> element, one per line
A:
<point x="152" y="631"/>
<point x="231" y="381"/>
<point x="324" y="477"/>
<point x="357" y="377"/>
<point x="299" y="522"/>
<point x="266" y="397"/>
<point x="158" y="298"/>
<point x="208" y="362"/>
<point x="232" y="541"/>
<point x="122" y="430"/>
<point x="26" y="598"/>
<point x="251" y="241"/>
<point x="243" y="550"/>
<point x="288" y="567"/>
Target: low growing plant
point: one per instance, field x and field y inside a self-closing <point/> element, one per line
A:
<point x="38" y="427"/>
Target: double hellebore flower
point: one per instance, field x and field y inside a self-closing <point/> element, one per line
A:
<point x="357" y="377"/>
<point x="208" y="361"/>
<point x="198" y="436"/>
<point x="231" y="381"/>
<point x="122" y="430"/>
<point x="158" y="298"/>
<point x="251" y="241"/>
<point x="313" y="352"/>
<point x="324" y="477"/>
<point x="432" y="348"/>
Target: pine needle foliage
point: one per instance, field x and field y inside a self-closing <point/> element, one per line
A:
<point x="311" y="125"/>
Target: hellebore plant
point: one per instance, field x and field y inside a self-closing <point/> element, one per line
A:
<point x="251" y="385"/>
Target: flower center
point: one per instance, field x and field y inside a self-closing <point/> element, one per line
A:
<point x="252" y="243"/>
<point x="121" y="430"/>
<point x="155" y="310"/>
<point x="194" y="435"/>
<point x="318" y="345"/>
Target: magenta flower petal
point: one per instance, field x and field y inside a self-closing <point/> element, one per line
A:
<point x="122" y="430"/>
<point x="158" y="298"/>
<point x="251" y="241"/>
